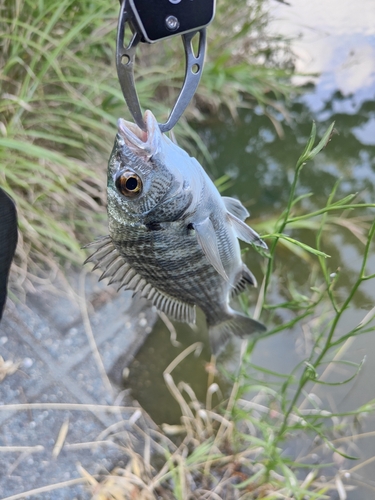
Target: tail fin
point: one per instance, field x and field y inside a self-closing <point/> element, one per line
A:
<point x="238" y="324"/>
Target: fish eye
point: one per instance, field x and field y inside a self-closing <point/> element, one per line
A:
<point x="128" y="183"/>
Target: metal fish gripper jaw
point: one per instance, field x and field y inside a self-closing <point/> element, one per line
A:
<point x="154" y="20"/>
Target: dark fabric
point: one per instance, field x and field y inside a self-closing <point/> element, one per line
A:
<point x="8" y="242"/>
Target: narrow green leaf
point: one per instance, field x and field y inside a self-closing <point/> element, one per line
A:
<point x="310" y="143"/>
<point x="322" y="143"/>
<point x="306" y="247"/>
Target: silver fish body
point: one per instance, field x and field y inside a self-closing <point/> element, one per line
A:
<point x="172" y="238"/>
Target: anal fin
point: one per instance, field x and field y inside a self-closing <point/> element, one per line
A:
<point x="246" y="278"/>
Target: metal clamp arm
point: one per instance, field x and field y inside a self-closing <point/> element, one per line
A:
<point x="125" y="68"/>
<point x="193" y="73"/>
<point x="125" y="65"/>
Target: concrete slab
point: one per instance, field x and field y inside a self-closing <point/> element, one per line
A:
<point x="66" y="338"/>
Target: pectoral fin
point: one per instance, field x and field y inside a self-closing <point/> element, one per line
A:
<point x="235" y="207"/>
<point x="208" y="242"/>
<point x="245" y="233"/>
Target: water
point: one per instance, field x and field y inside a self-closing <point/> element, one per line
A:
<point x="338" y="41"/>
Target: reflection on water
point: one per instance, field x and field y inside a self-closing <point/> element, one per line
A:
<point x="334" y="39"/>
<point x="261" y="164"/>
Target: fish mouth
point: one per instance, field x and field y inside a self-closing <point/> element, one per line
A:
<point x="141" y="142"/>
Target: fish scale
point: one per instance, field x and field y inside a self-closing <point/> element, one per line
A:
<point x="172" y="238"/>
<point x="185" y="268"/>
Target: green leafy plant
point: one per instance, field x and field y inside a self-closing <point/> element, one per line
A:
<point x="261" y="440"/>
<point x="327" y="338"/>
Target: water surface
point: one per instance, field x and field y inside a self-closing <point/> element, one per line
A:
<point x="337" y="40"/>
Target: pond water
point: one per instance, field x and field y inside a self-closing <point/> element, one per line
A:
<point x="337" y="40"/>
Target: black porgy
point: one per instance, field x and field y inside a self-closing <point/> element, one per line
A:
<point x="173" y="238"/>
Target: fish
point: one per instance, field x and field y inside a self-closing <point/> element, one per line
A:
<point x="173" y="239"/>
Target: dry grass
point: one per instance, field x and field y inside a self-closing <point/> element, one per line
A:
<point x="219" y="453"/>
<point x="7" y="368"/>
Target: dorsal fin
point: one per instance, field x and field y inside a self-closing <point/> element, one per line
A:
<point x="108" y="259"/>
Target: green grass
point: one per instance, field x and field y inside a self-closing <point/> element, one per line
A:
<point x="60" y="101"/>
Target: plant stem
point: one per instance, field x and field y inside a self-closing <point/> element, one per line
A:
<point x="330" y="209"/>
<point x="282" y="225"/>
<point x="328" y="344"/>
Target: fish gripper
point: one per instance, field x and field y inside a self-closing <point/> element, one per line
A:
<point x="154" y="20"/>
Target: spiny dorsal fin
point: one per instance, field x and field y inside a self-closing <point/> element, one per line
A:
<point x="108" y="259"/>
<point x="175" y="309"/>
<point x="235" y="207"/>
<point x="100" y="242"/>
<point x="103" y="246"/>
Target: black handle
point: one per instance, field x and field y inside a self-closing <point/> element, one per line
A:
<point x="8" y="242"/>
<point x="158" y="19"/>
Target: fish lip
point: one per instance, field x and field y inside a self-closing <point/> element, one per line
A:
<point x="141" y="142"/>
<point x="131" y="130"/>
